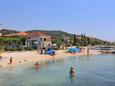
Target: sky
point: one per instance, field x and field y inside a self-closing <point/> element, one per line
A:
<point x="94" y="18"/>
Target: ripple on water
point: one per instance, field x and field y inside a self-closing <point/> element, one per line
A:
<point x="89" y="71"/>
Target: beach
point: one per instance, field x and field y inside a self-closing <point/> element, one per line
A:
<point x="23" y="57"/>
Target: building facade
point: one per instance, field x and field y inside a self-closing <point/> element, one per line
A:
<point x="38" y="40"/>
<point x="0" y="34"/>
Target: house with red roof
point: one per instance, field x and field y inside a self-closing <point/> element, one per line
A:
<point x="38" y="39"/>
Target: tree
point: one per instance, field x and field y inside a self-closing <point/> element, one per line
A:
<point x="74" y="40"/>
<point x="58" y="41"/>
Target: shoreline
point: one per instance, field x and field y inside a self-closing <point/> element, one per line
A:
<point x="23" y="57"/>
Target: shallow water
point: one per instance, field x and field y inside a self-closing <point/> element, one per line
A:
<point x="89" y="71"/>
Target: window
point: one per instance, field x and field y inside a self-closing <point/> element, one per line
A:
<point x="44" y="39"/>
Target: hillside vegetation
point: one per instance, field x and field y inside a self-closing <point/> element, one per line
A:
<point x="57" y="35"/>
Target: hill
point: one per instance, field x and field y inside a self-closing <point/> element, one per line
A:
<point x="58" y="33"/>
<point x="53" y="33"/>
<point x="7" y="31"/>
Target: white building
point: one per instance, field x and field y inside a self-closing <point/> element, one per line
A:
<point x="0" y="34"/>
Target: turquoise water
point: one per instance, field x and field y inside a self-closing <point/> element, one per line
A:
<point x="89" y="71"/>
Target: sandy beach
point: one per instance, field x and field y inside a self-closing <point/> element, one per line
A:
<point x="23" y="57"/>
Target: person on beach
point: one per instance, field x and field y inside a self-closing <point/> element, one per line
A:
<point x="0" y="57"/>
<point x="10" y="60"/>
<point x="87" y="51"/>
<point x="41" y="51"/>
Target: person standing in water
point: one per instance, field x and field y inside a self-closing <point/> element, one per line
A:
<point x="71" y="72"/>
<point x="37" y="65"/>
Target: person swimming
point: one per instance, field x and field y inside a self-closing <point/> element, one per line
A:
<point x="37" y="65"/>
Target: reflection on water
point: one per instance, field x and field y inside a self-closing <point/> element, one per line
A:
<point x="89" y="71"/>
<point x="71" y="78"/>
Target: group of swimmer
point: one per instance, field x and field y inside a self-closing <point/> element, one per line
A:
<point x="71" y="72"/>
<point x="37" y="66"/>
